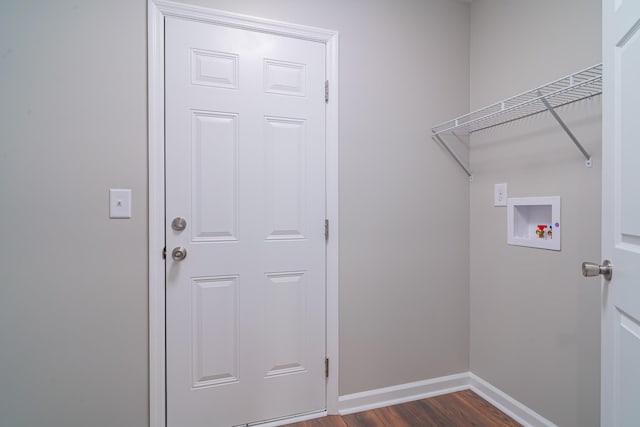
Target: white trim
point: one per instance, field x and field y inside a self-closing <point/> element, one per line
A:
<point x="507" y="404"/>
<point x="332" y="257"/>
<point x="291" y="420"/>
<point x="402" y="393"/>
<point x="157" y="10"/>
<point x="236" y="20"/>
<point x="155" y="64"/>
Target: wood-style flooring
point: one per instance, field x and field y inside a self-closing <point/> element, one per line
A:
<point x="460" y="409"/>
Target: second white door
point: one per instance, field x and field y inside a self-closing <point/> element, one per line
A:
<point x="621" y="214"/>
<point x="245" y="171"/>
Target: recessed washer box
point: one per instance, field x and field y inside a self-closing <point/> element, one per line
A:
<point x="534" y="222"/>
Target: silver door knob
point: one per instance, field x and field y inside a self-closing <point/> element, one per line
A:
<point x="179" y="253"/>
<point x="179" y="224"/>
<point x="590" y="269"/>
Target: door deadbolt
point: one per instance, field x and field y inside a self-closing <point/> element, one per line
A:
<point x="179" y="224"/>
<point x="590" y="269"/>
<point x="179" y="253"/>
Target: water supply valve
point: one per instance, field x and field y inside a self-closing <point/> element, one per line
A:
<point x="540" y="230"/>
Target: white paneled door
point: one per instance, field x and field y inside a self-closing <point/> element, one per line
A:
<point x="621" y="214"/>
<point x="245" y="224"/>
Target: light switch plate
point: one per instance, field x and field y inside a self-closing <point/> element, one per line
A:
<point x="500" y="194"/>
<point x="119" y="203"/>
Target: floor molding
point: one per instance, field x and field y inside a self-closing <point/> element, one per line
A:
<point x="403" y="393"/>
<point x="290" y="420"/>
<point x="507" y="404"/>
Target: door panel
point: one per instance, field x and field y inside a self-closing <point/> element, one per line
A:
<point x="283" y="329"/>
<point x="245" y="166"/>
<point x="621" y="214"/>
<point x="284" y="78"/>
<point x="628" y="63"/>
<point x="210" y="68"/>
<point x="627" y="369"/>
<point x="214" y="329"/>
<point x="285" y="164"/>
<point x="214" y="176"/>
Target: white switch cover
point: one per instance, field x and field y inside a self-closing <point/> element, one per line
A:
<point x="119" y="203"/>
<point x="500" y="194"/>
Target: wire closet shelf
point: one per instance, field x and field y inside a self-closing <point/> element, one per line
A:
<point x="575" y="87"/>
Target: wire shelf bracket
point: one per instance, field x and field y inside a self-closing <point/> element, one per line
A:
<point x="575" y="87"/>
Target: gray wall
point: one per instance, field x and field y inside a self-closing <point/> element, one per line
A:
<point x="535" y="322"/>
<point x="73" y="293"/>
<point x="73" y="297"/>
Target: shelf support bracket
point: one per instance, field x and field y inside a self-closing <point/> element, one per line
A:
<point x="437" y="138"/>
<point x="564" y="126"/>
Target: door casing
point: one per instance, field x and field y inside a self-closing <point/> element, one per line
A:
<point x="156" y="12"/>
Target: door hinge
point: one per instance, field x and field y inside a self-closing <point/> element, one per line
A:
<point x="326" y="367"/>
<point x="326" y="91"/>
<point x="164" y="253"/>
<point x="326" y="229"/>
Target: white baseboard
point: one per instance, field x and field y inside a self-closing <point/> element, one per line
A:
<point x="507" y="404"/>
<point x="402" y="393"/>
<point x="291" y="420"/>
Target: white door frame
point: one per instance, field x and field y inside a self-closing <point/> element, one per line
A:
<point x="157" y="10"/>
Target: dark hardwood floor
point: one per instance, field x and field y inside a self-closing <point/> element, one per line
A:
<point x="460" y="409"/>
